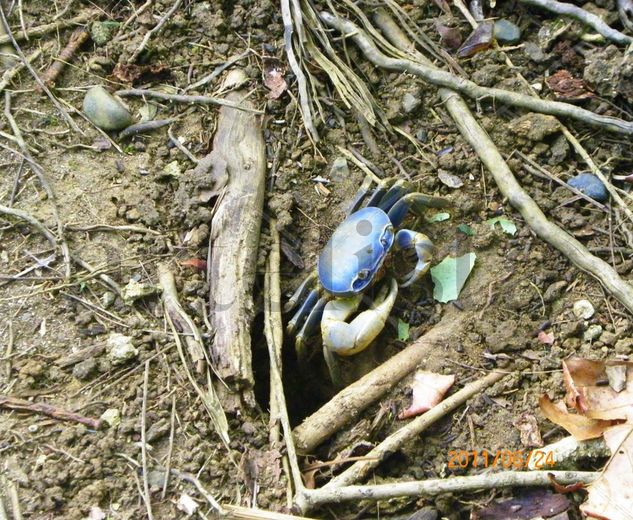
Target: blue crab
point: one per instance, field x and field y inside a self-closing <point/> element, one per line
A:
<point x="350" y="264"/>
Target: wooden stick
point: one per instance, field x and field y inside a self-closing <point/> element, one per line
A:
<point x="181" y="98"/>
<point x="590" y="19"/>
<point x="77" y="39"/>
<point x="350" y="402"/>
<point x="41" y="30"/>
<point x="146" y="496"/>
<point x="14" y="403"/>
<point x="155" y="30"/>
<point x="312" y="498"/>
<point x="413" y="429"/>
<point x="466" y="87"/>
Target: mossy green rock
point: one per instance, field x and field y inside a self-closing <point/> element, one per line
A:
<point x="506" y="32"/>
<point x="101" y="33"/>
<point x="105" y="111"/>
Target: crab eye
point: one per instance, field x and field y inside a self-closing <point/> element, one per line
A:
<point x="363" y="274"/>
<point x="387" y="238"/>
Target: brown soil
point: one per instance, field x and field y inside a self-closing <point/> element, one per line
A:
<point x="518" y="287"/>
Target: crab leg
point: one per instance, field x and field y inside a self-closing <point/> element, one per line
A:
<point x="310" y="326"/>
<point x="301" y="292"/>
<point x="346" y="339"/>
<point x="411" y="240"/>
<point x="304" y="310"/>
<point x="415" y="201"/>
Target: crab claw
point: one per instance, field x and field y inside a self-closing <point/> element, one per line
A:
<point x="350" y="338"/>
<point x="407" y="239"/>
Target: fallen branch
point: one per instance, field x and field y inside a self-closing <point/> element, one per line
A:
<point x="302" y="82"/>
<point x="273" y="330"/>
<point x="181" y="323"/>
<point x="237" y="166"/>
<point x="587" y="18"/>
<point x="154" y="31"/>
<point x="445" y="79"/>
<point x="413" y="429"/>
<point x="41" y="30"/>
<point x="14" y="403"/>
<point x="312" y="498"/>
<point x="350" y="402"/>
<point x="77" y="39"/>
<point x="35" y="75"/>
<point x="181" y="98"/>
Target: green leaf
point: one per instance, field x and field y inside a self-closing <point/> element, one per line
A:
<point x="466" y="229"/>
<point x="449" y="276"/>
<point x="506" y="224"/>
<point x="439" y="217"/>
<point x="403" y="330"/>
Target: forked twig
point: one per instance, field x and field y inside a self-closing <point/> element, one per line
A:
<point x="445" y="79"/>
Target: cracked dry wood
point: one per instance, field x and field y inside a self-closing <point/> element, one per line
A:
<point x="238" y="161"/>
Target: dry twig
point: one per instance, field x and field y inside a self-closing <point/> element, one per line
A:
<point x="14" y="403"/>
<point x="154" y="31"/>
<point x="413" y="429"/>
<point x="48" y="28"/>
<point x="312" y="498"/>
<point x="180" y="98"/>
<point x="146" y="496"/>
<point x="589" y="19"/>
<point x="77" y="39"/>
<point x="349" y="403"/>
<point x="468" y="88"/>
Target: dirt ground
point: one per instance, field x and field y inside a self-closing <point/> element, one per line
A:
<point x="519" y="286"/>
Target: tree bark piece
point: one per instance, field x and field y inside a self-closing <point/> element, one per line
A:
<point x="350" y="402"/>
<point x="238" y="159"/>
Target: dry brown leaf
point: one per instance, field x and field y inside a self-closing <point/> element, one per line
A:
<point x="611" y="495"/>
<point x="479" y="40"/>
<point x="451" y="36"/>
<point x="528" y="427"/>
<point x="581" y="427"/>
<point x="274" y="80"/>
<point x="428" y="390"/>
<point x="545" y="337"/>
<point x="588" y="390"/>
<point x="565" y="86"/>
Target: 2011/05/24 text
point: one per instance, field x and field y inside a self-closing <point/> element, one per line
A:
<point x="506" y="459"/>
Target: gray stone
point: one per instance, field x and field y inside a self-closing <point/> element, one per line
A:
<point x="134" y="291"/>
<point x="506" y="32"/>
<point x="121" y="348"/>
<point x="339" y="170"/>
<point x="410" y="102"/>
<point x="624" y="346"/>
<point x="583" y="309"/>
<point x="592" y="333"/>
<point x="104" y="110"/>
<point x="84" y="369"/>
<point x="112" y="417"/>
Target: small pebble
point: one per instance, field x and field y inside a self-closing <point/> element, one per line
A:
<point x="104" y="110"/>
<point x="592" y="333"/>
<point x="121" y="348"/>
<point x="410" y="102"/>
<point x="583" y="309"/>
<point x="506" y="32"/>
<point x="112" y="417"/>
<point x="590" y="185"/>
